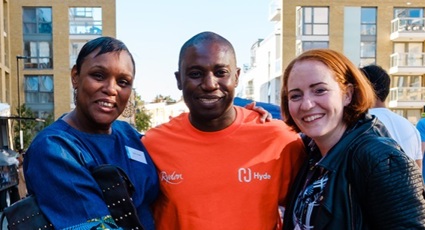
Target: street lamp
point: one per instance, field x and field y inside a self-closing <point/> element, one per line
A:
<point x="21" y="136"/>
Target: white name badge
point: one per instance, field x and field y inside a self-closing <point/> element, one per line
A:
<point x="136" y="155"/>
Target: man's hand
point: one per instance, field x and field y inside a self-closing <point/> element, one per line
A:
<point x="265" y="115"/>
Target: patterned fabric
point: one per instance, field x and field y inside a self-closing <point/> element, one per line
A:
<point x="105" y="222"/>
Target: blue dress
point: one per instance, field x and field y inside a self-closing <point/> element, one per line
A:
<point x="57" y="169"/>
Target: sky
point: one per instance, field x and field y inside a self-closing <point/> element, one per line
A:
<point x="154" y="31"/>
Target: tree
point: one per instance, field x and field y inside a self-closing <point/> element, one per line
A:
<point x="142" y="116"/>
<point x="30" y="127"/>
<point x="166" y="99"/>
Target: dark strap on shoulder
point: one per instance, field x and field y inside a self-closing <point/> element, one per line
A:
<point x="117" y="190"/>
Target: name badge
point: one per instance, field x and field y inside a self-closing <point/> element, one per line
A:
<point x="136" y="155"/>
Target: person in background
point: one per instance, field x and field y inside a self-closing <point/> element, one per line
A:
<point x="356" y="177"/>
<point x="59" y="161"/>
<point x="401" y="129"/>
<point x="219" y="166"/>
<point x="420" y="126"/>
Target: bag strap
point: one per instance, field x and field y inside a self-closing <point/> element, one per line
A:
<point x="117" y="190"/>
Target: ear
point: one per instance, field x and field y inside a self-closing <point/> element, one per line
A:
<point x="74" y="77"/>
<point x="179" y="83"/>
<point x="348" y="95"/>
<point x="238" y="72"/>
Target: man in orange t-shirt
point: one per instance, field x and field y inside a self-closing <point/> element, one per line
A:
<point x="219" y="167"/>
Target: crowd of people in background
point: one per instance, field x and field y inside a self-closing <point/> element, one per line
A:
<point x="336" y="159"/>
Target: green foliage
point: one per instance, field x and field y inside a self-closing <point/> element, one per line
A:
<point x="166" y="99"/>
<point x="142" y="117"/>
<point x="27" y="127"/>
<point x="30" y="127"/>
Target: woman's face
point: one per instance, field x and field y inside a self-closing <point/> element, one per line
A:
<point x="316" y="101"/>
<point x="104" y="86"/>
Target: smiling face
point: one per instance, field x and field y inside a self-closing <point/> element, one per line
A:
<point x="104" y="85"/>
<point x="208" y="77"/>
<point x="316" y="101"/>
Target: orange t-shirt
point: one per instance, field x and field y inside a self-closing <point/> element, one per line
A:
<point x="230" y="179"/>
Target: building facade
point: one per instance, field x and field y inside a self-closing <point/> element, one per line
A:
<point x="44" y="38"/>
<point x="387" y="33"/>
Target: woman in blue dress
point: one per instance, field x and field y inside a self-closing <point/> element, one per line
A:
<point x="59" y="162"/>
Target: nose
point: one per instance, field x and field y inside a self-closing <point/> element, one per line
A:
<point x="307" y="103"/>
<point x="209" y="82"/>
<point x="110" y="87"/>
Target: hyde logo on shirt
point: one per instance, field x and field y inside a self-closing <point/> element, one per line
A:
<point x="246" y="175"/>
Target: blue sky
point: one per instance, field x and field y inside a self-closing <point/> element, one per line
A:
<point x="154" y="31"/>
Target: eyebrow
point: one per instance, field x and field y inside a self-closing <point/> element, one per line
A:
<point x="311" y="86"/>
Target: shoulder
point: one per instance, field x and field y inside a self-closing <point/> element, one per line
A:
<point x="421" y="123"/>
<point x="372" y="150"/>
<point x="174" y="127"/>
<point x="174" y="124"/>
<point x="122" y="126"/>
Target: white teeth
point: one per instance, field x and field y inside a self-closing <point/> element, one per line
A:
<point x="312" y="118"/>
<point x="106" y="104"/>
<point x="208" y="100"/>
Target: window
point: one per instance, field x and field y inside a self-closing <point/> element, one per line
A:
<point x="409" y="18"/>
<point x="75" y="47"/>
<point x="308" y="45"/>
<point x="37" y="34"/>
<point x="85" y="20"/>
<point x="368" y="36"/>
<point x="368" y="21"/>
<point x="37" y="20"/>
<point x="315" y="20"/>
<point x="408" y="12"/>
<point x="39" y="53"/>
<point x="367" y="53"/>
<point x="39" y="89"/>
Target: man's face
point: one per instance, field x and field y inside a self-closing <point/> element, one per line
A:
<point x="208" y="77"/>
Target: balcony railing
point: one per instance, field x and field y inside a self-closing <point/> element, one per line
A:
<point x="85" y="27"/>
<point x="414" y="95"/>
<point x="407" y="60"/>
<point x="407" y="24"/>
<point x="408" y="29"/>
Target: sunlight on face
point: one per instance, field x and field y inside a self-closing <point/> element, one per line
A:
<point x="316" y="101"/>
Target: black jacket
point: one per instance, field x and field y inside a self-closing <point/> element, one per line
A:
<point x="372" y="184"/>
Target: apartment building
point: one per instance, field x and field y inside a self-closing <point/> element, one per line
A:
<point x="387" y="33"/>
<point x="40" y="43"/>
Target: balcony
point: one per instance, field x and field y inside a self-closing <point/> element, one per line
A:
<point x="85" y="27"/>
<point x="408" y="30"/>
<point x="407" y="63"/>
<point x="275" y="7"/>
<point x="407" y="97"/>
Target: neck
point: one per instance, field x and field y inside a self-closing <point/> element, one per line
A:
<point x="327" y="142"/>
<point x="379" y="104"/>
<point x="216" y="124"/>
<point x="83" y="125"/>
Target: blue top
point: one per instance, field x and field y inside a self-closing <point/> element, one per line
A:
<point x="57" y="169"/>
<point x="421" y="128"/>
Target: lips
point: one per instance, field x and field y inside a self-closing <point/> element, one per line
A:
<point x="312" y="117"/>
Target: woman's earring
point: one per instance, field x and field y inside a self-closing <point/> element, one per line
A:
<point x="129" y="110"/>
